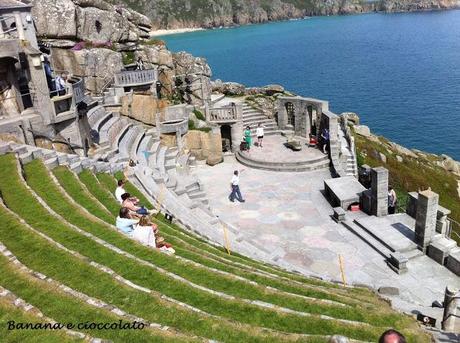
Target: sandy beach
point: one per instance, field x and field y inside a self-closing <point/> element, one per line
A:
<point x="164" y="32"/>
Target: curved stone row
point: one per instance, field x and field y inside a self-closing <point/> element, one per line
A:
<point x="26" y="307"/>
<point x="163" y="271"/>
<point x="97" y="303"/>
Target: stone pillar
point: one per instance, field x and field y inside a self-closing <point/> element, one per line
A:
<point x="425" y="220"/>
<point x="41" y="101"/>
<point x="379" y="191"/>
<point x="19" y="26"/>
<point x="180" y="144"/>
<point x="451" y="319"/>
<point x="237" y="135"/>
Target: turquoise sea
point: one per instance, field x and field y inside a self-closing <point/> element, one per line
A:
<point x="399" y="72"/>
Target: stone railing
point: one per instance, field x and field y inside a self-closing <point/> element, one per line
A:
<point x="225" y="114"/>
<point x="132" y="78"/>
<point x="78" y="90"/>
<point x="65" y="105"/>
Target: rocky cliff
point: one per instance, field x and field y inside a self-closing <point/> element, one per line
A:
<point x="171" y="14"/>
<point x="96" y="39"/>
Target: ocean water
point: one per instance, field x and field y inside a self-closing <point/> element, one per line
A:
<point x="399" y="72"/>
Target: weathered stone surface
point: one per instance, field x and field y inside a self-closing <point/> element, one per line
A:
<point x="204" y="145"/>
<point x="88" y="20"/>
<point x="388" y="290"/>
<point x="273" y="89"/>
<point x="450" y="165"/>
<point x="402" y="150"/>
<point x="362" y="130"/>
<point x="351" y="117"/>
<point x="55" y="19"/>
<point x="233" y="88"/>
<point x="214" y="159"/>
<point x="98" y="65"/>
<point x="195" y="74"/>
<point x="141" y="107"/>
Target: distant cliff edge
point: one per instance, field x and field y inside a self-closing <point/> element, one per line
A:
<point x="174" y="14"/>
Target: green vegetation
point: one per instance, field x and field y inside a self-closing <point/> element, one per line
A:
<point x="128" y="57"/>
<point x="9" y="312"/>
<point x="199" y="115"/>
<point x="153" y="42"/>
<point x="412" y="174"/>
<point x="199" y="262"/>
<point x="191" y="126"/>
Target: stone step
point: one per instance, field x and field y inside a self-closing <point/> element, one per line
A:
<point x="320" y="162"/>
<point x="411" y="254"/>
<point x="137" y="141"/>
<point x="105" y="128"/>
<point x="212" y="220"/>
<point x="51" y="163"/>
<point x="255" y="124"/>
<point x="153" y="157"/>
<point x="196" y="194"/>
<point x="367" y="238"/>
<point x="160" y="160"/>
<point x="254" y="115"/>
<point x="144" y="145"/>
<point x="402" y="248"/>
<point x="76" y="167"/>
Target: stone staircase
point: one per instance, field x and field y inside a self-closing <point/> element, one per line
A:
<point x="122" y="139"/>
<point x="318" y="163"/>
<point x="252" y="117"/>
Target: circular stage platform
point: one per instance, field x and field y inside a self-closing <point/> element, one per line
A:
<point x="274" y="155"/>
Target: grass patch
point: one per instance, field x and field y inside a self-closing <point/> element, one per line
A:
<point x="203" y="276"/>
<point x="53" y="302"/>
<point x="44" y="257"/>
<point x="100" y="193"/>
<point x="199" y="115"/>
<point x="9" y="312"/>
<point x="74" y="189"/>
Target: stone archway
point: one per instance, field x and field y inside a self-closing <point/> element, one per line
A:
<point x="290" y="110"/>
<point x="226" y="133"/>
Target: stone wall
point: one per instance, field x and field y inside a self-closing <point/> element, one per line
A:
<point x="97" y="65"/>
<point x="88" y="20"/>
<point x="204" y="145"/>
<point x="141" y="107"/>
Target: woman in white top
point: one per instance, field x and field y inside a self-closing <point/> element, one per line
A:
<point x="135" y="229"/>
<point x="144" y="232"/>
<point x="260" y="135"/>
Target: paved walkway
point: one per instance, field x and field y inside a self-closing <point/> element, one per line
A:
<point x="273" y="150"/>
<point x="285" y="214"/>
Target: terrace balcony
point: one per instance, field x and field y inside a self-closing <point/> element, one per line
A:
<point x="136" y="78"/>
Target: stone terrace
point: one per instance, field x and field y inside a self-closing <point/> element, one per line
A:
<point x="287" y="215"/>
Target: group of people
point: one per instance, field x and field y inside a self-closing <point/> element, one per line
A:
<point x="134" y="221"/>
<point x="247" y="137"/>
<point x="57" y="84"/>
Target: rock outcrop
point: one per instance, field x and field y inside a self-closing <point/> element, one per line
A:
<point x="172" y="14"/>
<point x="88" y="20"/>
<point x="192" y="78"/>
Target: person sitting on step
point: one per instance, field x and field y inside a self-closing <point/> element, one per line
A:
<point x="121" y="190"/>
<point x="133" y="206"/>
<point x="145" y="232"/>
<point x="163" y="246"/>
<point x="125" y="222"/>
